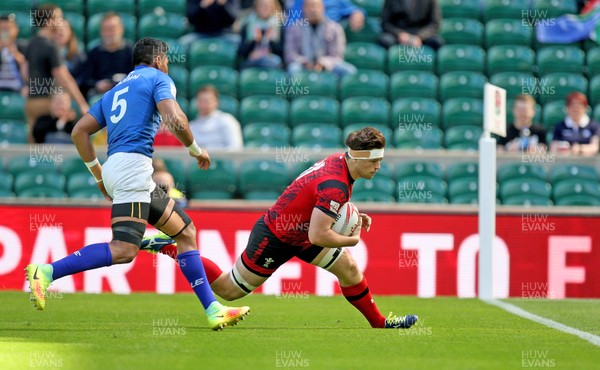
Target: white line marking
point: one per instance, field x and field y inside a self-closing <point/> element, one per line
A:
<point x="593" y="339"/>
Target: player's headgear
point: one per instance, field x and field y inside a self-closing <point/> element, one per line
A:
<point x="366" y="143"/>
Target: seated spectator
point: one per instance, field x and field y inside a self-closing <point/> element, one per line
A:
<point x="164" y="180"/>
<point x="109" y="62"/>
<point x="261" y="34"/>
<point x="336" y="10"/>
<point x="578" y="134"/>
<point x="214" y="129"/>
<point x="56" y="127"/>
<point x="319" y="46"/>
<point x="522" y="135"/>
<point x="211" y="18"/>
<point x="411" y="23"/>
<point x="68" y="47"/>
<point x="12" y="60"/>
<point x="48" y="74"/>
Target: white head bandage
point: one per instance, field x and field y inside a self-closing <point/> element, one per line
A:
<point x="365" y="154"/>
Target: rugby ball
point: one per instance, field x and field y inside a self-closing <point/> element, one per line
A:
<point x="347" y="220"/>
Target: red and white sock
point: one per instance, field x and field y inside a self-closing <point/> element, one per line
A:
<point x="360" y="297"/>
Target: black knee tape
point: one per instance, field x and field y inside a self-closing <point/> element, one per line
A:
<point x="129" y="232"/>
<point x="134" y="209"/>
<point x="159" y="200"/>
<point x="186" y="219"/>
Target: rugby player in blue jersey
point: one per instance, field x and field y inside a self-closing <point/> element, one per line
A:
<point x="132" y="112"/>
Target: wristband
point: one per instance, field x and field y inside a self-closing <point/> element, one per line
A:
<point x="194" y="148"/>
<point x="90" y="165"/>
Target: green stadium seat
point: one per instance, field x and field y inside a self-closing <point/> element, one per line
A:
<point x="460" y="58"/>
<point x="378" y="189"/>
<point x="34" y="161"/>
<point x="77" y="22"/>
<point x="462" y="170"/>
<point x="365" y="55"/>
<point x="6" y="181"/>
<point x="81" y="181"/>
<point x="263" y="180"/>
<point x="462" y="138"/>
<point x="24" y="23"/>
<point x="593" y="61"/>
<point x="92" y="194"/>
<point x="372" y="7"/>
<point x="515" y="83"/>
<point x="462" y="31"/>
<point x="75" y="6"/>
<point x="386" y="169"/>
<point x="409" y="58"/>
<point x="224" y="79"/>
<point x="73" y="165"/>
<point x="419" y="169"/>
<point x="102" y="6"/>
<point x="562" y="172"/>
<point x="594" y="95"/>
<point x="409" y="84"/>
<point x="515" y="171"/>
<point x="314" y="109"/>
<point x="366" y="110"/>
<point x="13" y="132"/>
<point x="227" y="104"/>
<point x="18" y="5"/>
<point x="467" y="198"/>
<point x="369" y="33"/>
<point x="579" y="188"/>
<point x="462" y="111"/>
<point x="181" y="77"/>
<point x="385" y="130"/>
<point x="167" y="25"/>
<point x="12" y="106"/>
<point x="507" y="32"/>
<point x="556" y="86"/>
<point x="317" y="136"/>
<point x="563" y="58"/>
<point x="553" y="113"/>
<point x="150" y="6"/>
<point x="411" y="113"/>
<point x="41" y="192"/>
<point x="524" y="187"/>
<point x="460" y="8"/>
<point x="527" y="200"/>
<point x="429" y="138"/>
<point x="219" y="181"/>
<point x="212" y="52"/>
<point x="256" y="81"/>
<point x="510" y="58"/>
<point x="317" y="83"/>
<point x="578" y="200"/>
<point x="462" y="186"/>
<point x="177" y="169"/>
<point x="461" y="84"/>
<point x="264" y="108"/>
<point x="6" y="193"/>
<point x="266" y="135"/>
<point x="95" y="21"/>
<point x="511" y="9"/>
<point x="184" y="104"/>
<point x="421" y="189"/>
<point x="364" y="83"/>
<point x="554" y="8"/>
<point x="36" y="178"/>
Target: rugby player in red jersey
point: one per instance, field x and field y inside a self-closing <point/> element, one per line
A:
<point x="311" y="201"/>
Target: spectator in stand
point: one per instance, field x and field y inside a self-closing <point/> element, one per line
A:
<point x="56" y="127"/>
<point x="336" y="10"/>
<point x="214" y="129"/>
<point x="12" y="60"/>
<point x="109" y="62"/>
<point x="522" y="135"/>
<point x="68" y="47"/>
<point x="411" y="23"/>
<point x="48" y="74"/>
<point x="317" y="46"/>
<point x="211" y="18"/>
<point x="577" y="134"/>
<point x="261" y="34"/>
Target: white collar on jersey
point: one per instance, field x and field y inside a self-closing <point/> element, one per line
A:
<point x="365" y="154"/>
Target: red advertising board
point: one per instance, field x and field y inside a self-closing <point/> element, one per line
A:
<point x="535" y="256"/>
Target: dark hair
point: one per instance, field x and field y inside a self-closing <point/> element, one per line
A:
<point x="7" y="17"/>
<point x="209" y="88"/>
<point x="43" y="14"/>
<point x="147" y="49"/>
<point x="366" y="138"/>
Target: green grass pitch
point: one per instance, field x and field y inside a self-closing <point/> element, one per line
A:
<point x="150" y="331"/>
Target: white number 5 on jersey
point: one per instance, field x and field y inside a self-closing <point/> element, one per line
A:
<point x="119" y="103"/>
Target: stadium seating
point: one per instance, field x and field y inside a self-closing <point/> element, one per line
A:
<point x="562" y="172"/>
<point x="562" y="58"/>
<point x="493" y="9"/>
<point x="366" y="55"/>
<point x="101" y="6"/>
<point x="419" y="169"/>
<point x="181" y="78"/>
<point x="527" y="200"/>
<point x="593" y="61"/>
<point x="314" y="109"/>
<point x="553" y="113"/>
<point x="317" y="136"/>
<point x="462" y="138"/>
<point x="266" y="135"/>
<point x="177" y="169"/>
<point x="594" y="94"/>
<point x="421" y="189"/>
<point x="556" y="86"/>
<point x="524" y="187"/>
<point x="460" y="58"/>
<point x="227" y="104"/>
<point x="75" y="6"/>
<point x="364" y="83"/>
<point x="460" y="8"/>
<point x="41" y="192"/>
<point x="378" y="189"/>
<point x="262" y="179"/>
<point x="418" y="84"/>
<point x="365" y="110"/>
<point x="552" y="8"/>
<point x="38" y="179"/>
<point x="264" y="108"/>
<point x="462" y="111"/>
<point x="218" y="182"/>
<point x="256" y="81"/>
<point x="173" y="6"/>
<point x="95" y="21"/>
<point x="30" y="162"/>
<point x="317" y="83"/>
<point x="576" y="191"/>
<point x="409" y="58"/>
<point x="463" y="190"/>
<point x="425" y="138"/>
<point x="372" y="7"/>
<point x="73" y="165"/>
<point x="167" y="25"/>
<point x="462" y="170"/>
<point x="507" y="32"/>
<point x="461" y="84"/>
<point x="412" y="113"/>
<point x="6" y="181"/>
<point x="212" y="52"/>
<point x="12" y="106"/>
<point x="516" y="83"/>
<point x="515" y="171"/>
<point x="13" y="132"/>
<point x="20" y="5"/>
<point x="79" y="182"/>
<point x="510" y="58"/>
<point x="24" y="23"/>
<point x="369" y="33"/>
<point x="462" y="31"/>
<point x="77" y="22"/>
<point x="224" y="79"/>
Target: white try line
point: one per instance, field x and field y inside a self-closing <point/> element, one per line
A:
<point x="594" y="339"/>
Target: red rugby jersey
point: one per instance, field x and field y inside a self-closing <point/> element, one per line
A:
<point x="326" y="185"/>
